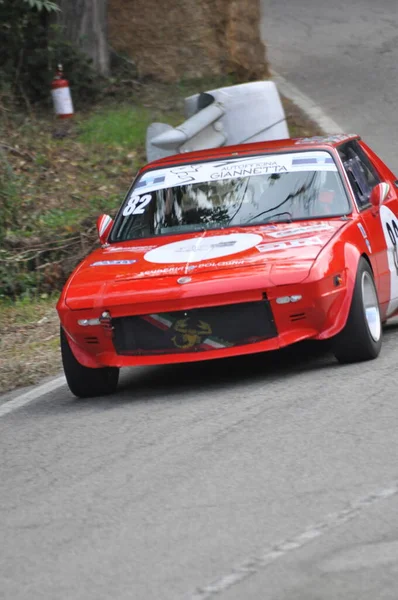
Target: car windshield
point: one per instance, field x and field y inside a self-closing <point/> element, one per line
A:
<point x="238" y="192"/>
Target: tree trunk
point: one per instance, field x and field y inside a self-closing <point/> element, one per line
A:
<point x="84" y="22"/>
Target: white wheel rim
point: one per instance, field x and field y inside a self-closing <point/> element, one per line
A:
<point x="371" y="306"/>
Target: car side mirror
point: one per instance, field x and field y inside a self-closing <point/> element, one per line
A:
<point x="378" y="194"/>
<point x="104" y="226"/>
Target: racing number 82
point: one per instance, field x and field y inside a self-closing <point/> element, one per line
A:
<point x="136" y="205"/>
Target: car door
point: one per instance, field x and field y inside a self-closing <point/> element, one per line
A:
<point x="379" y="228"/>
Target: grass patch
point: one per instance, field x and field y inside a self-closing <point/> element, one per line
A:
<point x="53" y="189"/>
<point x="29" y="341"/>
<point x="25" y="311"/>
<point x="125" y="126"/>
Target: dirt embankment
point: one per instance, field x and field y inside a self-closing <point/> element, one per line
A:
<point x="171" y="40"/>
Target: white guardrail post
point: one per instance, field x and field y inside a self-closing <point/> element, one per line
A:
<point x="238" y="114"/>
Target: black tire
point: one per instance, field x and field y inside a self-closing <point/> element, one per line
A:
<point x="84" y="382"/>
<point x="356" y="342"/>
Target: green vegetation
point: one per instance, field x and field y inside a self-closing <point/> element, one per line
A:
<point x="29" y="344"/>
<point x="52" y="190"/>
<point x="31" y="48"/>
<point x="25" y="311"/>
<point x="124" y="126"/>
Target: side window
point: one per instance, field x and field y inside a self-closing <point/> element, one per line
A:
<point x="360" y="171"/>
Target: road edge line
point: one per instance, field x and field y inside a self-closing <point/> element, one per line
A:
<point x="37" y="392"/>
<point x="312" y="110"/>
<point x="253" y="565"/>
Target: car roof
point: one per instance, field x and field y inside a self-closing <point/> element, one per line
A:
<point x="288" y="144"/>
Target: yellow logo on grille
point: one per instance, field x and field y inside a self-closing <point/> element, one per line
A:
<point x="189" y="332"/>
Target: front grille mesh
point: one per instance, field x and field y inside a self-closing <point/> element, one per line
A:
<point x="196" y="330"/>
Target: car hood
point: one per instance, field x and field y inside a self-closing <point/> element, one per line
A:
<point x="284" y="245"/>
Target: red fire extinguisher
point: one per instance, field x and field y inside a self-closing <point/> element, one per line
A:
<point x="62" y="98"/>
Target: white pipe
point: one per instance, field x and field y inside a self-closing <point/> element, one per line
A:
<point x="176" y="137"/>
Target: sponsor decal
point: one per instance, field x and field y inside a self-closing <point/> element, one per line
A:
<point x="147" y="180"/>
<point x="210" y="246"/>
<point x="221" y="263"/>
<point x="312" y="160"/>
<point x="202" y="248"/>
<point x="365" y="237"/>
<point x="300" y="243"/>
<point x="248" y="170"/>
<point x="108" y="263"/>
<point x="130" y="248"/>
<point x="262" y="160"/>
<point x="389" y="223"/>
<point x="186" y="173"/>
<point x="161" y="271"/>
<point x="189" y="268"/>
<point x="286" y="231"/>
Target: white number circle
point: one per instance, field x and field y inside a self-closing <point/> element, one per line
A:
<point x="390" y="230"/>
<point x="203" y="248"/>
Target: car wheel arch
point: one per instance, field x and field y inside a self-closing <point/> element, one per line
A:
<point x="352" y="260"/>
<point x="85" y="359"/>
<point x="361" y="338"/>
<point x="352" y="257"/>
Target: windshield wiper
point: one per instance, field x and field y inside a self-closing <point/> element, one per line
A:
<point x="240" y="204"/>
<point x="271" y="218"/>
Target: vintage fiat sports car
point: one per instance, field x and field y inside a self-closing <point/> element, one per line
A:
<point x="234" y="251"/>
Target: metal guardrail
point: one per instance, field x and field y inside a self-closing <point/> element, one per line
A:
<point x="239" y="114"/>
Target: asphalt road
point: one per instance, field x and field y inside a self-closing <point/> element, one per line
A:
<point x="271" y="477"/>
<point x="344" y="55"/>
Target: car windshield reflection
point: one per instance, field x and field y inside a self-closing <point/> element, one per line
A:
<point x="234" y="193"/>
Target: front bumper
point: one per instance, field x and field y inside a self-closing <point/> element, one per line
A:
<point x="319" y="311"/>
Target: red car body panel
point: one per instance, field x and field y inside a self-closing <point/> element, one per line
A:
<point x="315" y="259"/>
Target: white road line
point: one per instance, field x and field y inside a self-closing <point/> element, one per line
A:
<point x="254" y="564"/>
<point x="306" y="104"/>
<point x="33" y="394"/>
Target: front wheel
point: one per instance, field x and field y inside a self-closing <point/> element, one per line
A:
<point x="361" y="338"/>
<point x="84" y="382"/>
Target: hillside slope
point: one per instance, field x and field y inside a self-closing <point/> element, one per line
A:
<point x="180" y="39"/>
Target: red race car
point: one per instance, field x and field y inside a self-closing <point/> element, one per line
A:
<point x="237" y="250"/>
